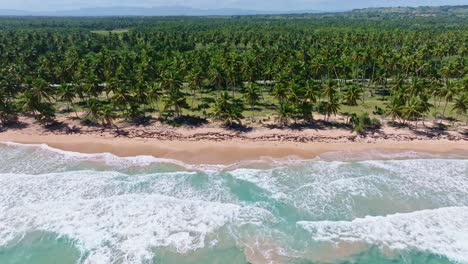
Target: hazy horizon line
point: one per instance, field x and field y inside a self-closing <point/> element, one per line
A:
<point x="258" y="5"/>
<point x="221" y="8"/>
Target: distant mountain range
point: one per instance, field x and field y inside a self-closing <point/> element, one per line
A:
<point x="155" y="11"/>
<point x="459" y="11"/>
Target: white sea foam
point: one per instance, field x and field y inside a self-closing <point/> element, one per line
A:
<point x="120" y="214"/>
<point x="380" y="154"/>
<point x="441" y="231"/>
<point x="353" y="189"/>
<point x="111" y="159"/>
<point x="21" y="189"/>
<point x="117" y="217"/>
<point x="262" y="178"/>
<point x="127" y="227"/>
<point x="142" y="160"/>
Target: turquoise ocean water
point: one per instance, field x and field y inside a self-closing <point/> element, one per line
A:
<point x="62" y="207"/>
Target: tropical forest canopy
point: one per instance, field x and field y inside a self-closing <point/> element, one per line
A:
<point x="220" y="68"/>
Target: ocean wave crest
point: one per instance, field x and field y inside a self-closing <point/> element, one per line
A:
<point x="127" y="227"/>
<point x="442" y="231"/>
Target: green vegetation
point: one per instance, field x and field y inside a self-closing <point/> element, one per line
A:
<point x="363" y="122"/>
<point x="260" y="68"/>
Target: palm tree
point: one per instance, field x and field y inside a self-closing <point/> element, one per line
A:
<point x="448" y="93"/>
<point x="112" y="85"/>
<point x="460" y="104"/>
<point x="330" y="90"/>
<point x="424" y="105"/>
<point x="195" y="79"/>
<point x="171" y="82"/>
<point x="332" y="107"/>
<point x="29" y="102"/>
<point x="412" y="111"/>
<point x="398" y="84"/>
<point x="227" y="110"/>
<point x="8" y="112"/>
<point x="217" y="77"/>
<point x="306" y="110"/>
<point x="141" y="92"/>
<point x="281" y="92"/>
<point x="175" y="101"/>
<point x="394" y="108"/>
<point x="36" y="99"/>
<point x="312" y="92"/>
<point x="67" y="93"/>
<point x="93" y="110"/>
<point x="37" y="89"/>
<point x="155" y="94"/>
<point x="352" y="95"/>
<point x="108" y="115"/>
<point x="122" y="97"/>
<point x="415" y="87"/>
<point x="284" y="113"/>
<point x="46" y="113"/>
<point x="252" y="95"/>
<point x="296" y="92"/>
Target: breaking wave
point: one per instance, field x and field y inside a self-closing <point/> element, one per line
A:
<point x="126" y="210"/>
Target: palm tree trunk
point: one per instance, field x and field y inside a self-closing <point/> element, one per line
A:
<point x="74" y="110"/>
<point x="445" y="108"/>
<point x="253" y="111"/>
<point x="193" y="99"/>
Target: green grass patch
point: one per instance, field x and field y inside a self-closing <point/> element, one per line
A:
<point x="114" y="31"/>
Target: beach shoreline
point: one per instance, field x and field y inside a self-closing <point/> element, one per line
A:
<point x="214" y="145"/>
<point x="235" y="151"/>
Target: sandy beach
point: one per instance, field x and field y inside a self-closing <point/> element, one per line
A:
<point x="215" y="145"/>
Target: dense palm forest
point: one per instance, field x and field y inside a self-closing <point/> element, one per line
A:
<point x="234" y="69"/>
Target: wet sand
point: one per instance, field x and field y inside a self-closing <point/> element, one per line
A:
<point x="229" y="151"/>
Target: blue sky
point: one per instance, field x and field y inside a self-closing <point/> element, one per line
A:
<point x="52" y="5"/>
